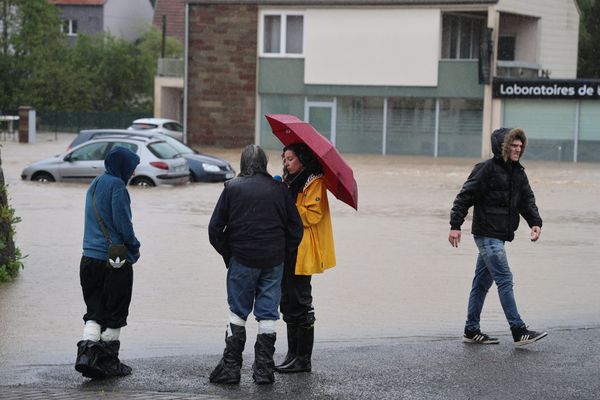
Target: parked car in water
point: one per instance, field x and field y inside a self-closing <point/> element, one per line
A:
<point x="203" y="167"/>
<point x="160" y="163"/>
<point x="165" y="126"/>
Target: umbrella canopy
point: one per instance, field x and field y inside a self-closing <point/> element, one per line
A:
<point x="340" y="178"/>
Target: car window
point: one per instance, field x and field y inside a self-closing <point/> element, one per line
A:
<point x="177" y="145"/>
<point x="89" y="152"/>
<point x="128" y="146"/>
<point x="173" y="126"/>
<point x="81" y="138"/>
<point x="143" y="126"/>
<point x="163" y="150"/>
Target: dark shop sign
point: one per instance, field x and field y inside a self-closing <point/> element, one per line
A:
<point x="546" y="89"/>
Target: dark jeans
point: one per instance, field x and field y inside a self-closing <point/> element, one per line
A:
<point x="296" y="295"/>
<point x="106" y="291"/>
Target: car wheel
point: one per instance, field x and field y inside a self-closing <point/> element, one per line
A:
<point x="42" y="177"/>
<point x="193" y="177"/>
<point x="143" y="182"/>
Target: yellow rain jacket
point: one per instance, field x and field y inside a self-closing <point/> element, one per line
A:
<point x="316" y="252"/>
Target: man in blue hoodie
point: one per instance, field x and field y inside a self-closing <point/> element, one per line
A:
<point x="107" y="289"/>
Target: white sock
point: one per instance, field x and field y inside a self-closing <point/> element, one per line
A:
<point x="91" y="331"/>
<point x="110" y="334"/>
<point x="234" y="319"/>
<point x="266" y="326"/>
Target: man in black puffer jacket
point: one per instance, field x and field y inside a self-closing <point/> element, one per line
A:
<point x="254" y="226"/>
<point x="500" y="193"/>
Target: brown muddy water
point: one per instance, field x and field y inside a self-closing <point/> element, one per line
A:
<point x="397" y="277"/>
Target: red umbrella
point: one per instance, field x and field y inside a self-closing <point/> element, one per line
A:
<point x="340" y="178"/>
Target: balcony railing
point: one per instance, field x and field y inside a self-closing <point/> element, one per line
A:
<point x="517" y="69"/>
<point x="170" y="67"/>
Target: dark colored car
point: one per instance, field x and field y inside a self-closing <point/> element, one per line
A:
<point x="203" y="167"/>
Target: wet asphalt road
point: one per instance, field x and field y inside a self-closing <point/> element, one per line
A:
<point x="388" y="315"/>
<point x="564" y="365"/>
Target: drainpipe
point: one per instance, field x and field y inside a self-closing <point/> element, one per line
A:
<point x="185" y="72"/>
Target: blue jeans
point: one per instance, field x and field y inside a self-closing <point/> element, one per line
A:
<point x="258" y="288"/>
<point x="492" y="266"/>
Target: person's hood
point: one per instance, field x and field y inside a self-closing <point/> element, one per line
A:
<point x="501" y="140"/>
<point x="121" y="162"/>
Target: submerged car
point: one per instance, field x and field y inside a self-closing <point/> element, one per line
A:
<point x="160" y="163"/>
<point x="168" y="127"/>
<point x="203" y="167"/>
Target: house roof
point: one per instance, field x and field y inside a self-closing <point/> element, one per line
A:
<point x="174" y="11"/>
<point x="77" y="2"/>
<point x="345" y="2"/>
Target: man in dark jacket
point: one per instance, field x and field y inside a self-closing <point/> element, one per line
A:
<point x="254" y="225"/>
<point x="107" y="288"/>
<point x="500" y="193"/>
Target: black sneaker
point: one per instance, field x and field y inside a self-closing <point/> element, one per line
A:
<point x="523" y="336"/>
<point x="478" y="337"/>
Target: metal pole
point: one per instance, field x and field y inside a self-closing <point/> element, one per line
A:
<point x="576" y="132"/>
<point x="185" y="72"/>
<point x="384" y="133"/>
<point x="436" y="134"/>
<point x="164" y="36"/>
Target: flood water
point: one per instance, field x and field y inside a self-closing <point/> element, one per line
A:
<point x="397" y="277"/>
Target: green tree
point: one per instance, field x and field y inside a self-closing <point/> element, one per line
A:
<point x="108" y="74"/>
<point x="37" y="47"/>
<point x="589" y="39"/>
<point x="151" y="44"/>
<point x="10" y="256"/>
<point x="98" y="73"/>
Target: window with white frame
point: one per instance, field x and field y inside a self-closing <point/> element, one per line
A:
<point x="70" y="27"/>
<point x="460" y="36"/>
<point x="282" y="34"/>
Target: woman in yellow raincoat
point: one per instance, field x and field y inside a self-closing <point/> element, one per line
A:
<point x="304" y="176"/>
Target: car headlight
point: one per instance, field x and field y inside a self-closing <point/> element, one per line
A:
<point x="210" y="168"/>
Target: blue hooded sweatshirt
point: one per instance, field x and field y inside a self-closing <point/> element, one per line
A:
<point x="114" y="205"/>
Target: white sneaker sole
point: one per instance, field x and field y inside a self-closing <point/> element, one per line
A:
<point x="532" y="340"/>
<point x="472" y="341"/>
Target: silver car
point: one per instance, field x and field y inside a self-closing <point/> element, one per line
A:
<point x="160" y="163"/>
<point x="168" y="127"/>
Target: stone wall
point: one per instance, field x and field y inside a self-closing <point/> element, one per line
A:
<point x="222" y="74"/>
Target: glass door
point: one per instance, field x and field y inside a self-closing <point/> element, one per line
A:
<point x="321" y="115"/>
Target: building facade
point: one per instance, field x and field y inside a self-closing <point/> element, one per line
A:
<point x="169" y="16"/>
<point x="383" y="77"/>
<point x="124" y="19"/>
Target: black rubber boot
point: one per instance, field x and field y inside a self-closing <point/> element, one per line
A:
<point x="110" y="362"/>
<point x="228" y="369"/>
<point x="87" y="363"/>
<point x="302" y="361"/>
<point x="292" y="342"/>
<point x="263" y="367"/>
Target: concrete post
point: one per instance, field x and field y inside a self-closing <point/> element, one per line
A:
<point x="27" y="129"/>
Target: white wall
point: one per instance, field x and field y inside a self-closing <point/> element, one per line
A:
<point x="526" y="31"/>
<point x="391" y="47"/>
<point x="558" y="35"/>
<point x="127" y="18"/>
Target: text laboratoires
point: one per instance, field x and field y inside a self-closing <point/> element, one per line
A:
<point x="514" y="89"/>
